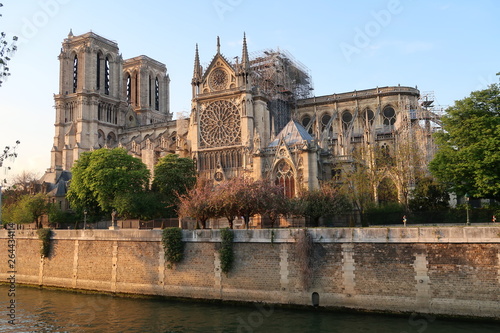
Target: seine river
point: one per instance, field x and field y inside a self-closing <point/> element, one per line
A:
<point x="45" y="310"/>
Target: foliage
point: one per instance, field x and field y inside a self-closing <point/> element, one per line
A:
<point x="173" y="245"/>
<point x="24" y="183"/>
<point x="357" y="186"/>
<point x="144" y="205"/>
<point x="326" y="201"/>
<point x="29" y="208"/>
<point x="44" y="235"/>
<point x="225" y="203"/>
<point x="198" y="203"/>
<point x="429" y="195"/>
<point x="250" y="196"/>
<point x="6" y="51"/>
<point x="59" y="218"/>
<point x="468" y="158"/>
<point x="274" y="202"/>
<point x="99" y="176"/>
<point x="389" y="213"/>
<point x="173" y="177"/>
<point x="226" y="250"/>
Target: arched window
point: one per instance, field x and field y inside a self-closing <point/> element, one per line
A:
<point x="106" y="76"/>
<point x="305" y="122"/>
<point x="129" y="88"/>
<point x="98" y="72"/>
<point x="325" y="120"/>
<point x="389" y="115"/>
<point x="99" y="111"/>
<point x="157" y="95"/>
<point x="368" y="117"/>
<point x="346" y="120"/>
<point x="285" y="178"/>
<point x="75" y="73"/>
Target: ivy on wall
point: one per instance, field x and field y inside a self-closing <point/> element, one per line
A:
<point x="44" y="235"/>
<point x="173" y="245"/>
<point x="226" y="250"/>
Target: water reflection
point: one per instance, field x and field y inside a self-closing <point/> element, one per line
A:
<point x="60" y="311"/>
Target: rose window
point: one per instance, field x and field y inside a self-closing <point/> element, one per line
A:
<point x="220" y="124"/>
<point x="218" y="79"/>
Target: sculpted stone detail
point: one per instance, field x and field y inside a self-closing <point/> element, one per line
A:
<point x="220" y="124"/>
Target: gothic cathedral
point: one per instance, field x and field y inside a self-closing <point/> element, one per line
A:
<point x="255" y="116"/>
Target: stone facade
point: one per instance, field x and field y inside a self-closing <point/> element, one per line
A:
<point x="441" y="271"/>
<point x="254" y="116"/>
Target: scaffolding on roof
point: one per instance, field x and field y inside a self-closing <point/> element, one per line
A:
<point x="279" y="76"/>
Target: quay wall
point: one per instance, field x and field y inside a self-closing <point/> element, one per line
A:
<point x="452" y="271"/>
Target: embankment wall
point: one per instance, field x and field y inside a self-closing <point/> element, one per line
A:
<point x="446" y="271"/>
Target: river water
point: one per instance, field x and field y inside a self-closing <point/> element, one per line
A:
<point x="43" y="310"/>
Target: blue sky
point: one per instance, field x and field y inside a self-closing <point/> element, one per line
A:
<point x="448" y="47"/>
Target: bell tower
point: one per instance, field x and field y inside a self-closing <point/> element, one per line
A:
<point x="89" y="107"/>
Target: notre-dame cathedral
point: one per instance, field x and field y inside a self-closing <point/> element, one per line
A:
<point x="255" y="116"/>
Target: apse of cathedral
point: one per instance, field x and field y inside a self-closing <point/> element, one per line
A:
<point x="254" y="116"/>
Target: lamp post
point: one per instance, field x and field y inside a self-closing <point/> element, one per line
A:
<point x="467" y="207"/>
<point x="84" y="219"/>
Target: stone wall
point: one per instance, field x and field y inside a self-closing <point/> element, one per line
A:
<point x="447" y="271"/>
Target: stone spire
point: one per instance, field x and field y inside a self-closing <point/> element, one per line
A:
<point x="70" y="33"/>
<point x="218" y="45"/>
<point x="197" y="68"/>
<point x="245" y="62"/>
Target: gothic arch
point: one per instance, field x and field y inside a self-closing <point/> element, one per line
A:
<point x="101" y="138"/>
<point x="284" y="174"/>
<point x="387" y="191"/>
<point x="111" y="140"/>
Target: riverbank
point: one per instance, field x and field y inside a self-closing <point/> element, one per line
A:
<point x="442" y="271"/>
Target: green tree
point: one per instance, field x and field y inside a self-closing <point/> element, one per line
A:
<point x="326" y="201"/>
<point x="6" y="51"/>
<point x="145" y="205"/>
<point x="30" y="208"/>
<point x="468" y="157"/>
<point x="98" y="177"/>
<point x="174" y="176"/>
<point x="429" y="195"/>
